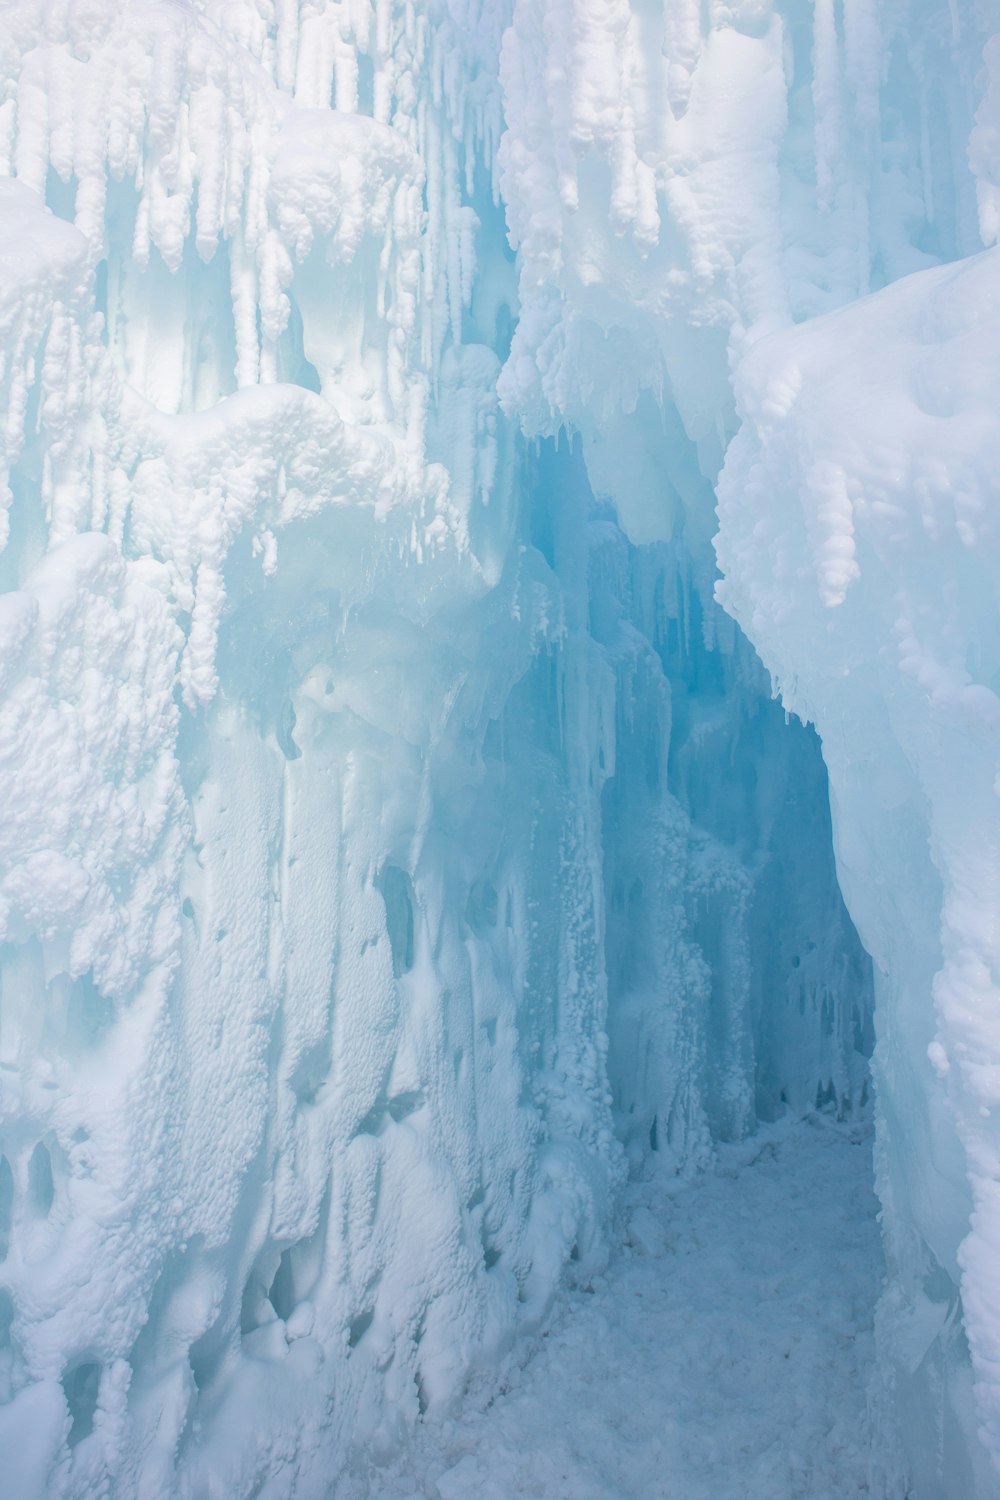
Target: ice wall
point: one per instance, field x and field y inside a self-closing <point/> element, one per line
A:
<point x="304" y="1102"/>
<point x="871" y="588"/>
<point x="399" y="841"/>
<point x="682" y="186"/>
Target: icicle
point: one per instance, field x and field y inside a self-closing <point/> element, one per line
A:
<point x="862" y="53"/>
<point x="682" y="49"/>
<point x="827" y="102"/>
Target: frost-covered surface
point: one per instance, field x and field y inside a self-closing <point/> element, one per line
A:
<point x="683" y="185"/>
<point x="727" y="1349"/>
<point x="392" y="849"/>
<point x="397" y="840"/>
<point x="870" y="583"/>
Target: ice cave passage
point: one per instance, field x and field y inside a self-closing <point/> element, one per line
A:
<point x="499" y="750"/>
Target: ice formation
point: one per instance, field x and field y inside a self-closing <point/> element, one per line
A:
<point x="399" y="840"/>
<point x="660" y="1377"/>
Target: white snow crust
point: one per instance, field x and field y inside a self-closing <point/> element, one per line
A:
<point x="399" y="843"/>
<point x="871" y="587"/>
<point x="726" y="1350"/>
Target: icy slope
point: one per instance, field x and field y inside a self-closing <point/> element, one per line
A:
<point x="392" y="849"/>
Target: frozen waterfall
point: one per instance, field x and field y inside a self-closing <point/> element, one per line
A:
<point x="499" y="723"/>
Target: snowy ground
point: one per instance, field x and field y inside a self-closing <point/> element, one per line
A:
<point x="725" y="1355"/>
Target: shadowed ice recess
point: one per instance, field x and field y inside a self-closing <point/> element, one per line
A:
<point x="499" y="750"/>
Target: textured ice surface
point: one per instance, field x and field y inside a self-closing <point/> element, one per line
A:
<point x="680" y="194"/>
<point x="871" y="587"/>
<point x="726" y="1350"/>
<point x="398" y="839"/>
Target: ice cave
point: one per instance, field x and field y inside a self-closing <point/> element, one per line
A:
<point x="499" y="749"/>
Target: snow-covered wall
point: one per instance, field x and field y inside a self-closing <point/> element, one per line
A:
<point x="682" y="186"/>
<point x="871" y="587"/>
<point x="399" y="842"/>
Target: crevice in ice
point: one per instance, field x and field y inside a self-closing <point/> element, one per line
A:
<point x="281" y="1293"/>
<point x="6" y="1316"/>
<point x="81" y="1383"/>
<point x="6" y="1205"/>
<point x="41" y="1188"/>
<point x="359" y="1327"/>
<point x="397" y="893"/>
<point x="291" y="364"/>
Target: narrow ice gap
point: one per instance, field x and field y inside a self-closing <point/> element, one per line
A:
<point x="498" y="750"/>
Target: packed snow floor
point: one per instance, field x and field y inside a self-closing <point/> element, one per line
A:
<point x="725" y="1354"/>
